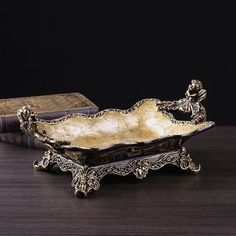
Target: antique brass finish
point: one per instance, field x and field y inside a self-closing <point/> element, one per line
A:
<point x="85" y="179"/>
<point x="146" y="136"/>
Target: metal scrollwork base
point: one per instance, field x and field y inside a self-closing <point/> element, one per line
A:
<point x="86" y="179"/>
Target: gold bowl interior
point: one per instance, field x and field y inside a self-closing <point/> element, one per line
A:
<point x="144" y="123"/>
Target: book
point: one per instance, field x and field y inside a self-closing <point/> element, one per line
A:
<point x="45" y="106"/>
<point x="18" y="138"/>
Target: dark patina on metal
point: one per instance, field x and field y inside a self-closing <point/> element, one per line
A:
<point x="144" y="137"/>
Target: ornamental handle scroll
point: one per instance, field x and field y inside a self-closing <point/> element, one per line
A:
<point x="28" y="124"/>
<point x="194" y="95"/>
<point x="28" y="120"/>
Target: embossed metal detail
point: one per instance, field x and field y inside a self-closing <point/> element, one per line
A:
<point x="195" y="94"/>
<point x="187" y="163"/>
<point x="89" y="166"/>
<point x="147" y="134"/>
<point x="85" y="179"/>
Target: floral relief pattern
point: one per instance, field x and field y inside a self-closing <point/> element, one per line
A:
<point x="85" y="179"/>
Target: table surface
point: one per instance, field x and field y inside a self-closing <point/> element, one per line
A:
<point x="166" y="202"/>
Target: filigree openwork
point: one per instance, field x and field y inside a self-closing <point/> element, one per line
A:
<point x="142" y="138"/>
<point x="187" y="163"/>
<point x="195" y="94"/>
<point x="86" y="179"/>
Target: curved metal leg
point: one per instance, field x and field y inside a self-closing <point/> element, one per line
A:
<point x="84" y="181"/>
<point x="186" y="162"/>
<point x="45" y="164"/>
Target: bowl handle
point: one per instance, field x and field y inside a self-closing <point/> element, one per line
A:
<point x="28" y="120"/>
<point x="28" y="124"/>
<point x="194" y="95"/>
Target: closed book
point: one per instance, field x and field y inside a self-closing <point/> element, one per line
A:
<point x="45" y="106"/>
<point x="19" y="138"/>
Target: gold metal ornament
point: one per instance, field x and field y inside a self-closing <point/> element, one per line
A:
<point x="144" y="137"/>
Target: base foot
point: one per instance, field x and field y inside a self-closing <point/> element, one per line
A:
<point x="80" y="194"/>
<point x="186" y="162"/>
<point x="46" y="163"/>
<point x="38" y="166"/>
<point x="86" y="179"/>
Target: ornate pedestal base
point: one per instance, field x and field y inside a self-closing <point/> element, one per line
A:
<point x="85" y="179"/>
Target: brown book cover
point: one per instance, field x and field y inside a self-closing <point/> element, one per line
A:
<point x="19" y="138"/>
<point x="45" y="106"/>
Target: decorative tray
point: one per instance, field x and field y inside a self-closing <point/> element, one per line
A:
<point x="146" y="136"/>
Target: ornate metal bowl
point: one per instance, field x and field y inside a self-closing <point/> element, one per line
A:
<point x="146" y="136"/>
